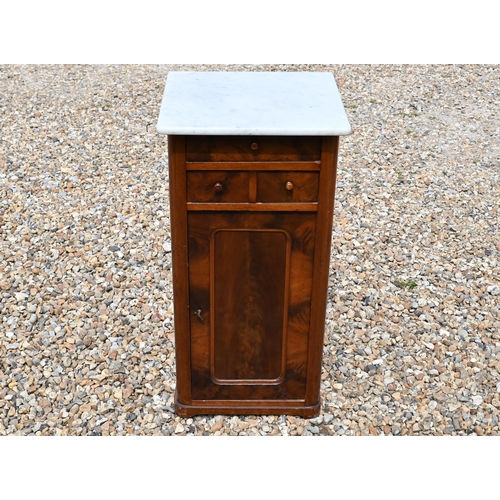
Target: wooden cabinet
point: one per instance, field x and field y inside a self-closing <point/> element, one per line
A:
<point x="251" y="241"/>
<point x="251" y="222"/>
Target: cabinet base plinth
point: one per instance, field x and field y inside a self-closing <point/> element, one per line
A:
<point x="258" y="408"/>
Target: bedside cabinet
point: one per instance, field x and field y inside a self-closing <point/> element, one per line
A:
<point x="252" y="170"/>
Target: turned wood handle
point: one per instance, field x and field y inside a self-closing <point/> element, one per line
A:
<point x="254" y="146"/>
<point x="218" y="187"/>
<point x="289" y="186"/>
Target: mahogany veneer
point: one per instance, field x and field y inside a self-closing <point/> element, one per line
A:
<point x="251" y="221"/>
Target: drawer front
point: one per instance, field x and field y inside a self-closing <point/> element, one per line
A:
<point x="217" y="187"/>
<point x="287" y="187"/>
<point x="253" y="148"/>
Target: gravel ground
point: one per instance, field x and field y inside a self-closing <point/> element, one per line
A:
<point x="412" y="340"/>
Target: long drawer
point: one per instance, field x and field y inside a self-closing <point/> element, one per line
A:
<point x="253" y="148"/>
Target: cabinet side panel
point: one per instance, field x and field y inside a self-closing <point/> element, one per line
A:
<point x="323" y="245"/>
<point x="178" y="225"/>
<point x="249" y="278"/>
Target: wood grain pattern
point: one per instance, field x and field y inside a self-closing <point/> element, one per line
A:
<point x="253" y="207"/>
<point x="238" y="148"/>
<point x="252" y="187"/>
<point x="301" y="230"/>
<point x="178" y="225"/>
<point x="254" y="165"/>
<point x="239" y="407"/>
<point x="271" y="187"/>
<point x="249" y="270"/>
<point x="200" y="186"/>
<point x="322" y="250"/>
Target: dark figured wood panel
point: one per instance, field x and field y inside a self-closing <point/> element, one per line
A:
<point x="249" y="270"/>
<point x="301" y="228"/>
<point x="272" y="187"/>
<point x="178" y="224"/>
<point x="262" y="383"/>
<point x="201" y="187"/>
<point x="239" y="148"/>
<point x="322" y="250"/>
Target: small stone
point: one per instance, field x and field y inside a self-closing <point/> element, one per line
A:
<point x="316" y="420"/>
<point x="477" y="400"/>
<point x="217" y="426"/>
<point x="312" y="429"/>
<point x="328" y="418"/>
<point x="370" y="369"/>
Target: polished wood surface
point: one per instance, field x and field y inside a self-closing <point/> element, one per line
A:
<point x="239" y="148"/>
<point x="178" y="228"/>
<point x="217" y="187"/>
<point x="257" y="207"/>
<point x="251" y="272"/>
<point x="321" y="266"/>
<point x="212" y="186"/>
<point x="292" y="257"/>
<point x="287" y="187"/>
<point x="253" y="165"/>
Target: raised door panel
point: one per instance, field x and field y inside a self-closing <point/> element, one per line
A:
<point x="250" y="280"/>
<point x="249" y="307"/>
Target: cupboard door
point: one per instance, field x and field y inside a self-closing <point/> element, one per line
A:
<point x="250" y="277"/>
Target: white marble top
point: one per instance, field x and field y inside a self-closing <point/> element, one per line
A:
<point x="237" y="103"/>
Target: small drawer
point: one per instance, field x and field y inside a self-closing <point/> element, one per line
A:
<point x="283" y="187"/>
<point x="217" y="187"/>
<point x="252" y="148"/>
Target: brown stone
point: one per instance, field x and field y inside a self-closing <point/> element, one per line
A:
<point x="217" y="426"/>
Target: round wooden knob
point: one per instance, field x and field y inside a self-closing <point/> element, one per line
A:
<point x="289" y="186"/>
<point x="218" y="187"/>
<point x="254" y="146"/>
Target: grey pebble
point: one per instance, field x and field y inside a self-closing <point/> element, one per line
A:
<point x="316" y="420"/>
<point x="312" y="429"/>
